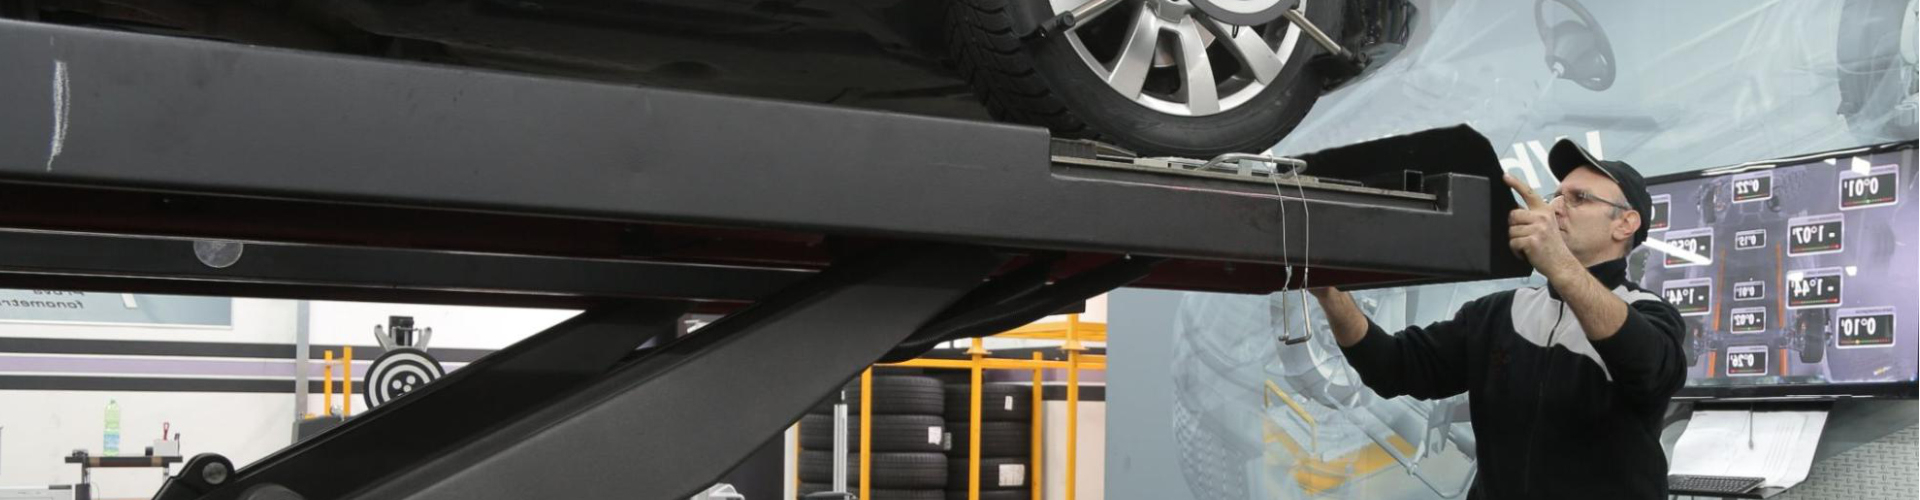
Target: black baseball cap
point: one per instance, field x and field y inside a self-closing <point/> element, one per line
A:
<point x="1568" y="156"/>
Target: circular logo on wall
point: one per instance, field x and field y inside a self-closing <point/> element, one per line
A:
<point x="398" y="372"/>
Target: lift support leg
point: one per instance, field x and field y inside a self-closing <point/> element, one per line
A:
<point x="565" y="414"/>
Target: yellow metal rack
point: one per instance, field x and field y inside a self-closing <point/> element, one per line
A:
<point x="1073" y="332"/>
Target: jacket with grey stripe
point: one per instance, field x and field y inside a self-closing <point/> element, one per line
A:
<point x="1555" y="415"/>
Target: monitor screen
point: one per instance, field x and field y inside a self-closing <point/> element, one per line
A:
<point x="1801" y="278"/>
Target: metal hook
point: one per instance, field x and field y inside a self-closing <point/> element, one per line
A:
<point x="1246" y="168"/>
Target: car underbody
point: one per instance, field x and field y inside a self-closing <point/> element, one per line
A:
<point x="874" y="54"/>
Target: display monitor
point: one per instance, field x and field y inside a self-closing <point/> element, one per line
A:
<point x="1794" y="278"/>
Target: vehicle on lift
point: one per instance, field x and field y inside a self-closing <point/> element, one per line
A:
<point x="316" y="165"/>
<point x="1192" y="78"/>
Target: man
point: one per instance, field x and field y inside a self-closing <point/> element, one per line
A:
<point x="1567" y="383"/>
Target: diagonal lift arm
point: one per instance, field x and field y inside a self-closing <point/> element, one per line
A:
<point x="563" y="415"/>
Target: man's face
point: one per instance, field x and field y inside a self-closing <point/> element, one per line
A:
<point x="1592" y="228"/>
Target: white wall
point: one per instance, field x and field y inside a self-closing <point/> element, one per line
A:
<point x="38" y="428"/>
<point x="1096" y="313"/>
<point x="335" y="324"/>
<point x="351" y="323"/>
<point x="1090" y="458"/>
<point x="41" y="427"/>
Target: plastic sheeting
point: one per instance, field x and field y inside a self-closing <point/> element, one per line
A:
<point x="1254" y="418"/>
<point x="1667" y="86"/>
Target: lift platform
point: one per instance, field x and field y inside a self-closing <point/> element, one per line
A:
<point x="829" y="239"/>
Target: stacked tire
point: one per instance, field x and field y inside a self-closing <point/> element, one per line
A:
<point x="908" y="437"/>
<point x="1006" y="440"/>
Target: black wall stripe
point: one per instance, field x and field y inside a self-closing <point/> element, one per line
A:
<point x="206" y="349"/>
<point x="1088" y="393"/>
<point x="154" y="384"/>
<point x="145" y="348"/>
<point x="69" y="383"/>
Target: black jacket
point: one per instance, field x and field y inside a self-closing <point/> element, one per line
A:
<point x="1554" y="415"/>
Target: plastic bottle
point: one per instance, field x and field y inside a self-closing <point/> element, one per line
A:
<point x="112" y="435"/>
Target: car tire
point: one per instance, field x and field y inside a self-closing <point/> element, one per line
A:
<point x="891" y="433"/>
<point x="961" y="494"/>
<point x="998" y="403"/>
<point x="1814" y="348"/>
<point x="1045" y="82"/>
<point x="897" y="395"/>
<point x="893" y="471"/>
<point x="999" y="439"/>
<point x="1811" y="326"/>
<point x="1691" y="348"/>
<point x="1874" y="74"/>
<point x="810" y="488"/>
<point x="1016" y="471"/>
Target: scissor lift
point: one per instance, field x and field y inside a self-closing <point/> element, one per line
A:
<point x="828" y="238"/>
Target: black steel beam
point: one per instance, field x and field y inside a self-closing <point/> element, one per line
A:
<point x="672" y="423"/>
<point x="97" y="110"/>
<point x="407" y="431"/>
<point x="121" y="264"/>
<point x="554" y="417"/>
<point x="970" y="319"/>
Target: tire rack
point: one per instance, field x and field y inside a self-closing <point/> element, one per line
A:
<point x="1072" y="331"/>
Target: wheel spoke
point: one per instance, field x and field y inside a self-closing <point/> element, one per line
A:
<point x="1251" y="49"/>
<point x="1197" y="70"/>
<point x="1130" y="71"/>
<point x="1060" y="6"/>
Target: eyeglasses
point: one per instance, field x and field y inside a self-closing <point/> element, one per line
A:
<point x="1581" y="197"/>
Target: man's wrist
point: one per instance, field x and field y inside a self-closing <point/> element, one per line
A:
<point x="1349" y="325"/>
<point x="1562" y="269"/>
